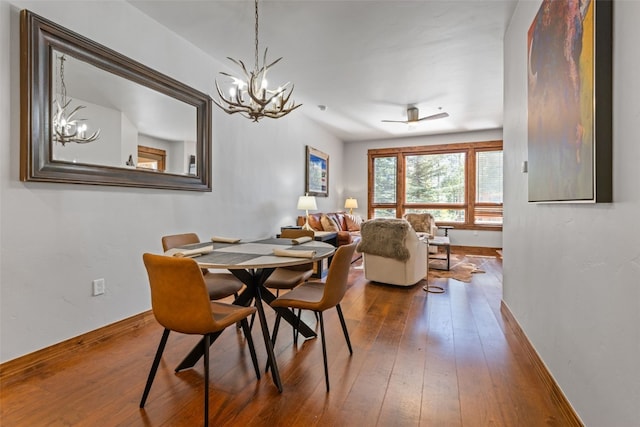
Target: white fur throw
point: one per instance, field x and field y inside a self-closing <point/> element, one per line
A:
<point x="385" y="237"/>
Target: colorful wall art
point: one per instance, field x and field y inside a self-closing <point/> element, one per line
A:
<point x="569" y="102"/>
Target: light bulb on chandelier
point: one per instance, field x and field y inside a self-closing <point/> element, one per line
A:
<point x="251" y="96"/>
<point x="66" y="128"/>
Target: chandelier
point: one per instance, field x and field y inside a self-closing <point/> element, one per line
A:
<point x="67" y="128"/>
<point x="250" y="95"/>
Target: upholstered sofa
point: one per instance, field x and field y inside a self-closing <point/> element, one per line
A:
<point x="393" y="253"/>
<point x="347" y="226"/>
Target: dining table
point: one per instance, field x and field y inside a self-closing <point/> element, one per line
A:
<point x="252" y="262"/>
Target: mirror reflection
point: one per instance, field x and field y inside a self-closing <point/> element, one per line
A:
<point x="100" y="118"/>
<point x="105" y="119"/>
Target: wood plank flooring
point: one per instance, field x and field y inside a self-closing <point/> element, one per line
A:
<point x="420" y="359"/>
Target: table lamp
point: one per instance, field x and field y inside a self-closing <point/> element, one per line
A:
<point x="305" y="203"/>
<point x="351" y="204"/>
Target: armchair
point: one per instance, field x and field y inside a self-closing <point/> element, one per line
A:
<point x="392" y="252"/>
<point x="423" y="223"/>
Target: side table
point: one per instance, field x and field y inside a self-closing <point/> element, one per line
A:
<point x="330" y="237"/>
<point x="444" y="242"/>
<point x="446" y="229"/>
<point x="322" y="267"/>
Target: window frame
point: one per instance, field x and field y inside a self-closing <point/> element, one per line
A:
<point x="469" y="206"/>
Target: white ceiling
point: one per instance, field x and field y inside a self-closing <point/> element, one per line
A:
<point x="365" y="60"/>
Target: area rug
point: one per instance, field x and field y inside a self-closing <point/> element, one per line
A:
<point x="460" y="270"/>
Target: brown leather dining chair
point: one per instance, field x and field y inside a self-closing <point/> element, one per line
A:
<point x="319" y="297"/>
<point x="180" y="302"/>
<point x="219" y="285"/>
<point x="290" y="277"/>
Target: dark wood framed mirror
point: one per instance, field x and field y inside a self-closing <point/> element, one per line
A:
<point x="127" y="104"/>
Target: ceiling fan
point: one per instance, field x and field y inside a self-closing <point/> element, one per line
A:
<point x="413" y="116"/>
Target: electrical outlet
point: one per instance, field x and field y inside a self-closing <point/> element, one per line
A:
<point x="98" y="287"/>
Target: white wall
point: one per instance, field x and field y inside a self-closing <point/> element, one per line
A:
<point x="55" y="239"/>
<point x="107" y="149"/>
<point x="129" y="141"/>
<point x="572" y="272"/>
<point x="355" y="174"/>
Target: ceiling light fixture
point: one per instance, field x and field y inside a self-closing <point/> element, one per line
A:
<point x="250" y="95"/>
<point x="66" y="128"/>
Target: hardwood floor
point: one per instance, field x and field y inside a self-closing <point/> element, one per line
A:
<point x="420" y="359"/>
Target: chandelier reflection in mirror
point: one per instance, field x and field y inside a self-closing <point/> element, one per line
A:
<point x="66" y="127"/>
<point x="250" y="95"/>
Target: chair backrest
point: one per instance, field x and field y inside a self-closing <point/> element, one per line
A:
<point x="421" y="222"/>
<point x="294" y="233"/>
<point x="179" y="297"/>
<point x="175" y="240"/>
<point x="336" y="284"/>
<point x="387" y="237"/>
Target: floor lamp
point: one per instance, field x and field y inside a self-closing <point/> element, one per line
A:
<point x="305" y="203"/>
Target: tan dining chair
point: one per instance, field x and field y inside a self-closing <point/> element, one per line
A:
<point x="319" y="297"/>
<point x="180" y="302"/>
<point x="219" y="285"/>
<point x="290" y="277"/>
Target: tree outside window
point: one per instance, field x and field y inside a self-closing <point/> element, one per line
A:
<point x="459" y="184"/>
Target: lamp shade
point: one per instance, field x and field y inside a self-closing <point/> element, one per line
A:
<point x="351" y="203"/>
<point x="307" y="203"/>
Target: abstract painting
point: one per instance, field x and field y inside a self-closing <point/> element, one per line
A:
<point x="569" y="102"/>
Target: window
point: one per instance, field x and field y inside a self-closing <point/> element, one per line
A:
<point x="151" y="158"/>
<point x="488" y="206"/>
<point x="459" y="184"/>
<point x="384" y="183"/>
<point x="436" y="180"/>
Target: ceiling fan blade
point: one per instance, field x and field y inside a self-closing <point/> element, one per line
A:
<point x="435" y="116"/>
<point x="394" y="121"/>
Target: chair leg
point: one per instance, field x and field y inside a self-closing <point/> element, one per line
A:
<point x="238" y="325"/>
<point x="276" y="326"/>
<point x="154" y="366"/>
<point x="344" y="328"/>
<point x="324" y="350"/>
<point x="207" y="341"/>
<point x="296" y="328"/>
<point x="252" y="349"/>
<point x="253" y="318"/>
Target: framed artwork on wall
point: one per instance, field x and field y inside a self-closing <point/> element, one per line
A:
<point x="317" y="173"/>
<point x="569" y="48"/>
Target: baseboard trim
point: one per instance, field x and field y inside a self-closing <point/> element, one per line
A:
<point x="550" y="383"/>
<point x="40" y="360"/>
<point x="475" y="250"/>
